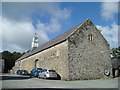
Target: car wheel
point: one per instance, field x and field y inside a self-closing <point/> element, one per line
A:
<point x="45" y="77"/>
<point x="38" y="77"/>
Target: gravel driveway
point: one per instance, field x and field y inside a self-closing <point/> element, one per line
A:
<point x="16" y="81"/>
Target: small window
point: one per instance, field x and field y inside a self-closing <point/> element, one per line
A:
<point x="90" y="37"/>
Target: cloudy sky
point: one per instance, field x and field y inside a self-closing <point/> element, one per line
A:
<point x="20" y="20"/>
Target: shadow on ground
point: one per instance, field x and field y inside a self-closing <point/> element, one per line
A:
<point x="14" y="77"/>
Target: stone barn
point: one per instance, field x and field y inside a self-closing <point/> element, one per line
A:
<point x="78" y="54"/>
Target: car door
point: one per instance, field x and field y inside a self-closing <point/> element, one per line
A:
<point x="40" y="74"/>
<point x="43" y="73"/>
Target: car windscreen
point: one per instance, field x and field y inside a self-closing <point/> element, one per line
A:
<point x="51" y="70"/>
<point x="44" y="70"/>
<point x="39" y="69"/>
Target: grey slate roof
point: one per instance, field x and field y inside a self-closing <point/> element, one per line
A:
<point x="52" y="42"/>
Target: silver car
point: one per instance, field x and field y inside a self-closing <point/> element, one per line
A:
<point x="47" y="73"/>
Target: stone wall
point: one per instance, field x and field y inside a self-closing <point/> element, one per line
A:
<point x="88" y="57"/>
<point x="16" y="67"/>
<point x="55" y="58"/>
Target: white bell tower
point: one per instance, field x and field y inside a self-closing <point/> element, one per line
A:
<point x="34" y="42"/>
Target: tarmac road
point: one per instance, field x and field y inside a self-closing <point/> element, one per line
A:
<point x="17" y="81"/>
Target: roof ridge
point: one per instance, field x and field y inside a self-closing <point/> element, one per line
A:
<point x="79" y="25"/>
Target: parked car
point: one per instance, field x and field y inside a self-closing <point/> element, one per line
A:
<point x="18" y="72"/>
<point x="47" y="74"/>
<point x="22" y="72"/>
<point x="35" y="72"/>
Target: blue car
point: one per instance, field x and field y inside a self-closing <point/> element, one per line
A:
<point x="35" y="72"/>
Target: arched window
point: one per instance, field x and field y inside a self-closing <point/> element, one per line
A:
<point x="36" y="63"/>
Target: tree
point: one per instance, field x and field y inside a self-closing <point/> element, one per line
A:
<point x="16" y="55"/>
<point x="9" y="59"/>
<point x="115" y="53"/>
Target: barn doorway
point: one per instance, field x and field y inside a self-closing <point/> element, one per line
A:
<point x="36" y="63"/>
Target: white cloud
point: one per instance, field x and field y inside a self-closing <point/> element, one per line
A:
<point x="17" y="36"/>
<point x="62" y="14"/>
<point x="18" y="29"/>
<point x="21" y="10"/>
<point x="53" y="26"/>
<point x="110" y="33"/>
<point x="108" y="10"/>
